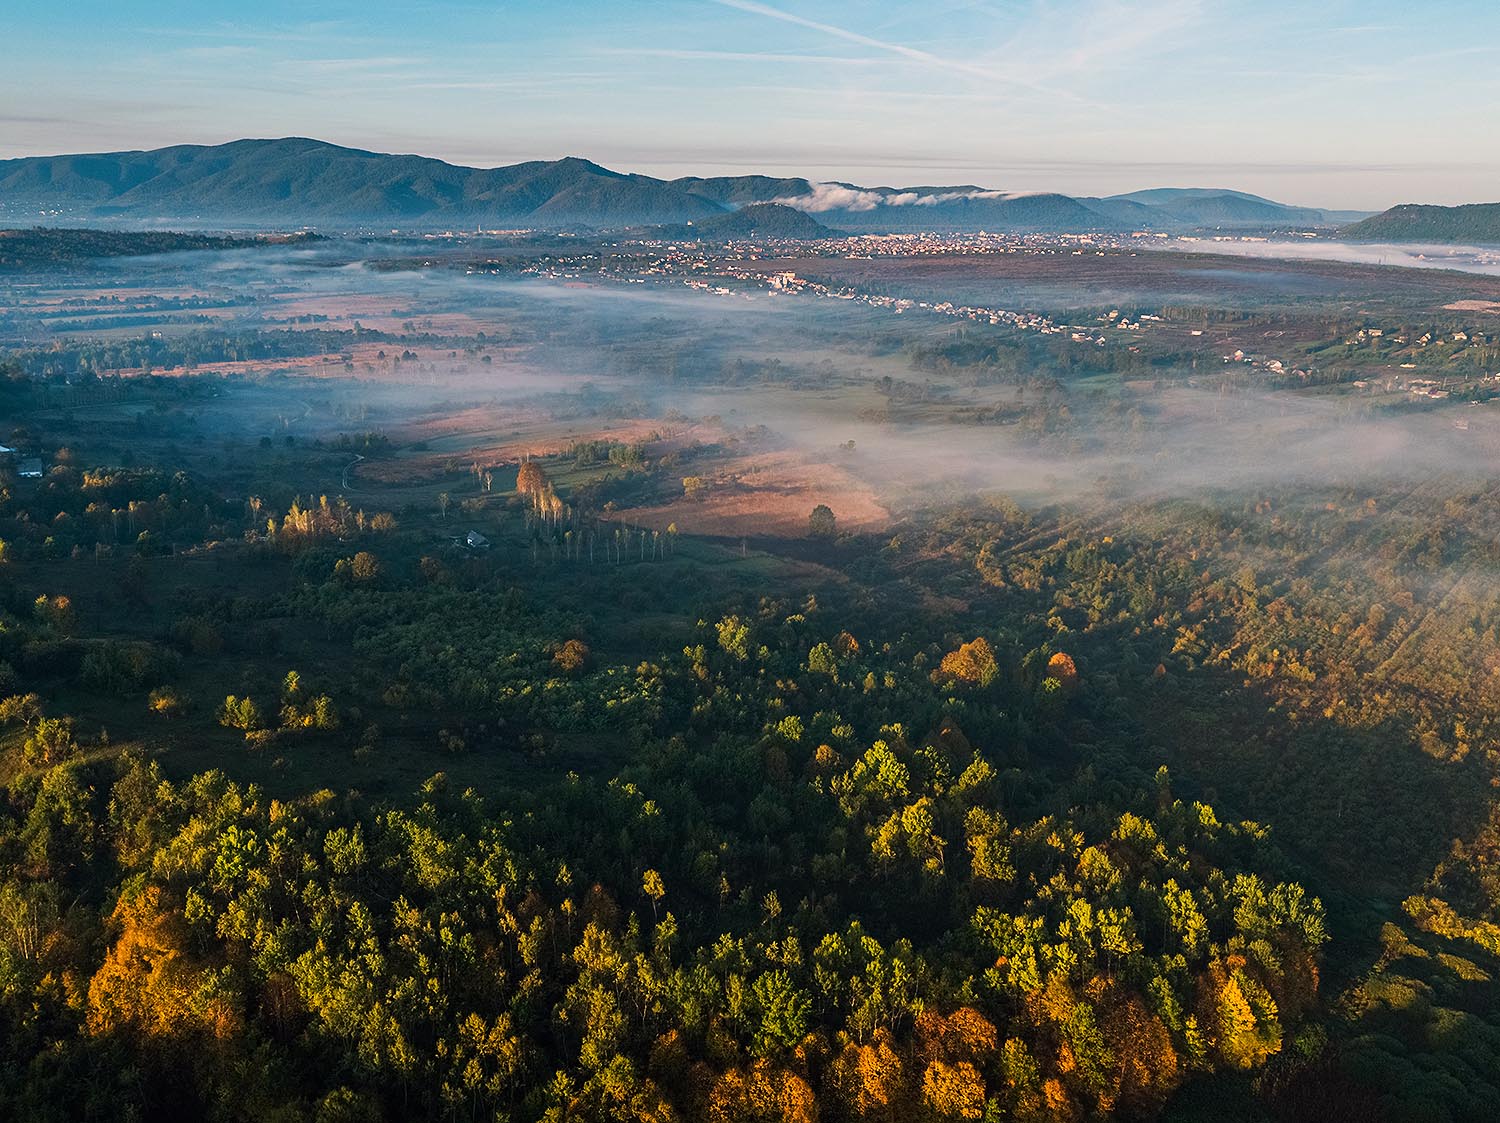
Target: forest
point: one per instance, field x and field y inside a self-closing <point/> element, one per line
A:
<point x="805" y="886"/>
<point x="379" y="741"/>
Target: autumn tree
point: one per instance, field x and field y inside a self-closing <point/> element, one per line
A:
<point x="571" y="656"/>
<point x="972" y="663"/>
<point x="734" y="637"/>
<point x="23" y="708"/>
<point x="364" y="567"/>
<point x="433" y="571"/>
<point x="953" y="1091"/>
<point x="531" y="480"/>
<point x="1146" y="1068"/>
<point x="1061" y="668"/>
<point x="654" y="888"/>
<point x="149" y="983"/>
<point x="1238" y="1014"/>
<point x="870" y="1080"/>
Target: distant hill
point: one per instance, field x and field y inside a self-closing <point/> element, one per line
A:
<point x="1215" y="208"/>
<point x="764" y="220"/>
<point x="1476" y="223"/>
<point x="1165" y="196"/>
<point x="1228" y="209"/>
<point x="295" y="182"/>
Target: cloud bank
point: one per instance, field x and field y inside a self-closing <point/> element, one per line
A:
<point x="841" y="197"/>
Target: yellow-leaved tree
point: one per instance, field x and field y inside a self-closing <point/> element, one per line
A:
<point x="149" y="984"/>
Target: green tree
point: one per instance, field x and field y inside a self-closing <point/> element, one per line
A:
<point x="821" y="523"/>
<point x="782" y="1010"/>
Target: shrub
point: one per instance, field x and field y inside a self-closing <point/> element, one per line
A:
<point x="165" y="702"/>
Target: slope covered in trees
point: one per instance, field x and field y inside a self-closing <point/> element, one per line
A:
<point x="830" y="861"/>
<point x="1413" y="222"/>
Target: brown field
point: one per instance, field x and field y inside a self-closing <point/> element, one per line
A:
<point x="770" y="495"/>
<point x="494" y="435"/>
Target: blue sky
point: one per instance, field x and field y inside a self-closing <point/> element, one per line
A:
<point x="1333" y="102"/>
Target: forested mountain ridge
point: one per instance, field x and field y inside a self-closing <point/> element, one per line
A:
<point x="297" y="181"/>
<point x="1410" y="222"/>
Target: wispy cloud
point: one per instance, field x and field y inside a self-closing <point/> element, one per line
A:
<point x="560" y="84"/>
<point x="899" y="50"/>
<point x="346" y="65"/>
<point x="1050" y="48"/>
<point x="18" y="119"/>
<point x="320" y="31"/>
<point x="742" y="56"/>
<point x="219" y="52"/>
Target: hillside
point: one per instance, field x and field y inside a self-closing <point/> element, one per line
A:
<point x="1412" y="222"/>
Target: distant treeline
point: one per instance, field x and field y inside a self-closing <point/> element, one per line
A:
<point x="189" y="350"/>
<point x="43" y="247"/>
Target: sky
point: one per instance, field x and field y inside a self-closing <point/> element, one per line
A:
<point x="1338" y="103"/>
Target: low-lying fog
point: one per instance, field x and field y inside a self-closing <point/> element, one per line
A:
<point x="667" y="350"/>
<point x="1465" y="259"/>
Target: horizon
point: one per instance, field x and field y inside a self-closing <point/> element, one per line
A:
<point x="1082" y="97"/>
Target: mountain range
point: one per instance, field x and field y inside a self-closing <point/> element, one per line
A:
<point x="302" y="182"/>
